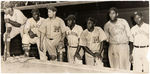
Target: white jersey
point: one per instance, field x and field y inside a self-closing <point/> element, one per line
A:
<point x="17" y="17"/>
<point x="53" y="28"/>
<point x="74" y="35"/>
<point x="140" y="35"/>
<point x="33" y="25"/>
<point x="92" y="39"/>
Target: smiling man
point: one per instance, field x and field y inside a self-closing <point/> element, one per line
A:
<point x="140" y="39"/>
<point x="118" y="35"/>
<point x="73" y="36"/>
<point x="14" y="20"/>
<point x="32" y="35"/>
<point x="91" y="41"/>
<point x="52" y="33"/>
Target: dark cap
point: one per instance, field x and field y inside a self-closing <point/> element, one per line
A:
<point x="113" y="8"/>
<point x="71" y="17"/>
<point x="93" y="20"/>
<point x="35" y="11"/>
<point x="137" y="13"/>
<point x="52" y="8"/>
<point x="8" y="4"/>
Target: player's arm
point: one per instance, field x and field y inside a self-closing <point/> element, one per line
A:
<point x="42" y="30"/>
<point x="131" y="44"/>
<point x="86" y="49"/>
<point x="127" y="28"/>
<point x="131" y="40"/>
<point x="14" y="23"/>
<point x="102" y="38"/>
<point x="106" y="30"/>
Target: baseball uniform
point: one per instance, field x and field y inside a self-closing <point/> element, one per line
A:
<point x="73" y="37"/>
<point x="53" y="29"/>
<point x="18" y="17"/>
<point x="93" y="41"/>
<point x="32" y="25"/>
<point x="140" y="37"/>
<point x="118" y="35"/>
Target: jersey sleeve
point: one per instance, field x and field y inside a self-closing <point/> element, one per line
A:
<point x="83" y="40"/>
<point x="106" y="29"/>
<point x="127" y="28"/>
<point x="63" y="26"/>
<point x="20" y="18"/>
<point x="102" y="35"/>
<point x="132" y="35"/>
<point x="6" y="17"/>
<point x="43" y="27"/>
<point x="79" y="32"/>
<point x="27" y="26"/>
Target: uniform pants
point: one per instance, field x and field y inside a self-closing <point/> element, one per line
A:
<point x="140" y="60"/>
<point x="90" y="60"/>
<point x="50" y="46"/>
<point x="36" y="40"/>
<point x="119" y="56"/>
<point x="71" y="53"/>
<point x="14" y="32"/>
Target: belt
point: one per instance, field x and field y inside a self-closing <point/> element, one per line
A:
<point x="50" y="38"/>
<point x="118" y="43"/>
<point x="73" y="46"/>
<point x="141" y="46"/>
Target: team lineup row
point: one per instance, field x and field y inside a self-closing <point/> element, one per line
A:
<point x="49" y="36"/>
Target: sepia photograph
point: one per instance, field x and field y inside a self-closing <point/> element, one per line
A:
<point x="74" y="36"/>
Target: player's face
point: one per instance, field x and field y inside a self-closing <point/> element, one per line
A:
<point x="113" y="15"/>
<point x="51" y="13"/>
<point x="7" y="10"/>
<point x="138" y="19"/>
<point x="69" y="22"/>
<point x="90" y="24"/>
<point x="35" y="15"/>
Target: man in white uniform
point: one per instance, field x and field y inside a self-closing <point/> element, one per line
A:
<point x="73" y="33"/>
<point x="15" y="21"/>
<point x="52" y="33"/>
<point x="32" y="35"/>
<point x="140" y="39"/>
<point x="118" y="35"/>
<point x="92" y="41"/>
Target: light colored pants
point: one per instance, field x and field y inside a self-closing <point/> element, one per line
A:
<point x="36" y="40"/>
<point x="71" y="53"/>
<point x="119" y="56"/>
<point x="90" y="60"/>
<point x="50" y="46"/>
<point x="14" y="32"/>
<point x="140" y="60"/>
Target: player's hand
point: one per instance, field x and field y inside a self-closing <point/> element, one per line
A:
<point x="41" y="47"/>
<point x="97" y="54"/>
<point x="60" y="45"/>
<point x="31" y="34"/>
<point x="7" y="20"/>
<point x="131" y="59"/>
<point x="78" y="56"/>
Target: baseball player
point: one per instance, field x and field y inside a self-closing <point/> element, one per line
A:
<point x="15" y="21"/>
<point x="73" y="33"/>
<point x="52" y="33"/>
<point x="91" y="40"/>
<point x="118" y="35"/>
<point x="32" y="35"/>
<point x="140" y="39"/>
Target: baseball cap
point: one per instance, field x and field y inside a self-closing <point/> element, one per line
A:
<point x="71" y="17"/>
<point x="52" y="8"/>
<point x="35" y="10"/>
<point x="8" y="4"/>
<point x="137" y="13"/>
